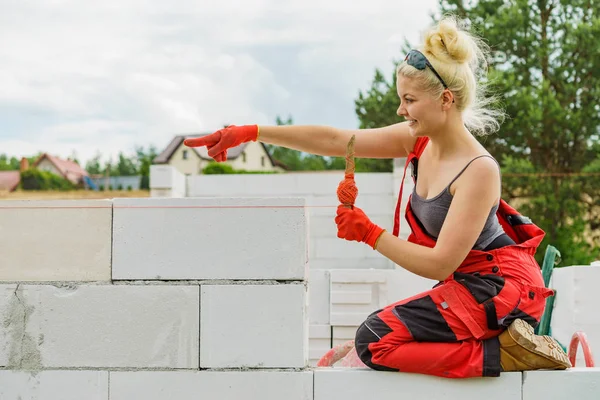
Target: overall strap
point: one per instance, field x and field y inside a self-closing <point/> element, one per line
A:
<point x="415" y="154"/>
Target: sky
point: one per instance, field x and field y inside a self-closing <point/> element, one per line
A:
<point x="80" y="78"/>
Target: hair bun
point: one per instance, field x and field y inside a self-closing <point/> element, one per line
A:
<point x="448" y="42"/>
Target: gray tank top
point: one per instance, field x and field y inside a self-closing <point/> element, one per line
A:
<point x="432" y="213"/>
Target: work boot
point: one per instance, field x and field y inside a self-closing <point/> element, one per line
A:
<point x="522" y="350"/>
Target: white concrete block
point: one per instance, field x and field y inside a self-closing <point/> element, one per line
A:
<point x="402" y="284"/>
<point x="161" y="176"/>
<point x="324" y="226"/>
<point x="319" y="342"/>
<point x="227" y="385"/>
<point x="575" y="307"/>
<point x="342" y="334"/>
<point x="575" y="383"/>
<point x="350" y="254"/>
<point x="325" y="183"/>
<point x="323" y="205"/>
<point x="376" y="204"/>
<point x="54" y="385"/>
<point x="372" y="204"/>
<point x="62" y="240"/>
<point x="253" y="326"/>
<point x="243" y="185"/>
<point x="337" y="248"/>
<point x="349" y="263"/>
<point x="359" y="384"/>
<point x="355" y="294"/>
<point x="209" y="239"/>
<point x="99" y="326"/>
<point x="318" y="296"/>
<point x="359" y="276"/>
<point x="289" y="184"/>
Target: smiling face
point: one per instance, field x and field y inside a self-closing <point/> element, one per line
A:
<point x="419" y="107"/>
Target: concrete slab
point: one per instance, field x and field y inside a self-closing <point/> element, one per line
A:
<point x="360" y="384"/>
<point x="99" y="326"/>
<point x="230" y="385"/>
<point x="574" y="383"/>
<point x="252" y="326"/>
<point x="54" y="385"/>
<point x="61" y="240"/>
<point x="319" y="342"/>
<point x="219" y="238"/>
<point x="318" y="300"/>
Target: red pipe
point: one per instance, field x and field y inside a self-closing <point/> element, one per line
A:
<point x="580" y="338"/>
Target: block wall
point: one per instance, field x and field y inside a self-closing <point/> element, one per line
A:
<point x="198" y="298"/>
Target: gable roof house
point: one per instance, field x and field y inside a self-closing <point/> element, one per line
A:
<point x="66" y="168"/>
<point x="9" y="180"/>
<point x="251" y="156"/>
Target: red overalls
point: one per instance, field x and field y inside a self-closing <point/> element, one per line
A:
<point x="452" y="330"/>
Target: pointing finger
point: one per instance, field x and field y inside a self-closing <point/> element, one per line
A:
<point x="208" y="140"/>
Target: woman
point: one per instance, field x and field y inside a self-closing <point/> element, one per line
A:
<point x="478" y="321"/>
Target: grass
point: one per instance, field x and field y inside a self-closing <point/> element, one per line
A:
<point x="71" y="194"/>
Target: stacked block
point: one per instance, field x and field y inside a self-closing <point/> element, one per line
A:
<point x="154" y="298"/>
<point x="326" y="251"/>
<point x="201" y="298"/>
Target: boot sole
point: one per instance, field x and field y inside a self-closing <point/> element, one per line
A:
<point x="543" y="346"/>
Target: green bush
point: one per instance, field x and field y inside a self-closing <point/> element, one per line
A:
<point x="243" y="171"/>
<point x="35" y="179"/>
<point x="214" y="168"/>
<point x="145" y="182"/>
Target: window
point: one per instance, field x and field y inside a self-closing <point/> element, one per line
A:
<point x="262" y="161"/>
<point x="185" y="154"/>
<point x="243" y="157"/>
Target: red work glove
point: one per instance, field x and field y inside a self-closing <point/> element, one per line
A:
<point x="353" y="224"/>
<point x="218" y="142"/>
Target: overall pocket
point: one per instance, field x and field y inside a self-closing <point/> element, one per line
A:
<point x="530" y="306"/>
<point x="468" y="312"/>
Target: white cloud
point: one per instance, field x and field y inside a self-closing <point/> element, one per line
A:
<point x="105" y="76"/>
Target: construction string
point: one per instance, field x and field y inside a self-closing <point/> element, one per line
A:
<point x="347" y="190"/>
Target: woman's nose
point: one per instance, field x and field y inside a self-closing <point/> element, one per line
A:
<point x="401" y="111"/>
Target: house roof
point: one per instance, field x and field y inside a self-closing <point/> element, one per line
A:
<point x="202" y="151"/>
<point x="69" y="169"/>
<point x="9" y="180"/>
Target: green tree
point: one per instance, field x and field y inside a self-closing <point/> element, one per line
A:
<point x="377" y="108"/>
<point x="293" y="159"/>
<point x="126" y="166"/>
<point x="144" y="159"/>
<point x="546" y="66"/>
<point x="9" y="164"/>
<point x="93" y="166"/>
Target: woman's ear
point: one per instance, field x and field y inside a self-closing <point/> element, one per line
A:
<point x="447" y="99"/>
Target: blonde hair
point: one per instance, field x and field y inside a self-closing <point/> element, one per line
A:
<point x="461" y="60"/>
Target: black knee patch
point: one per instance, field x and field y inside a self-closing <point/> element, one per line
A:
<point x="424" y="321"/>
<point x="371" y="331"/>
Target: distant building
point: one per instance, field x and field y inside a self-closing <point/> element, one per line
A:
<point x="65" y="168"/>
<point x="9" y="180"/>
<point x="251" y="156"/>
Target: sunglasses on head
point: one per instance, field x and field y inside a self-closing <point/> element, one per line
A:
<point x="416" y="59"/>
